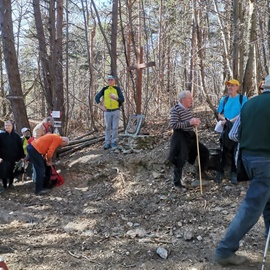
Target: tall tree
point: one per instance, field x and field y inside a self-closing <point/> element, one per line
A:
<point x="235" y="54"/>
<point x="15" y="88"/>
<point x="59" y="87"/>
<point x="249" y="70"/>
<point x="89" y="60"/>
<point x="44" y="57"/>
<point x="114" y="37"/>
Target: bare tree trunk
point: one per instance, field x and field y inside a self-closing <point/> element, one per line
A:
<point x="102" y="30"/>
<point x="44" y="58"/>
<point x="235" y="53"/>
<point x="192" y="57"/>
<point x="15" y="92"/>
<point x="263" y="46"/>
<point x="91" y="68"/>
<point x="200" y="56"/>
<point x="2" y="93"/>
<point x="241" y="51"/>
<point x="249" y="71"/>
<point x="59" y="87"/>
<point x="51" y="28"/>
<point x="114" y="38"/>
<point x="224" y="40"/>
<point x="86" y="24"/>
<point x="67" y="68"/>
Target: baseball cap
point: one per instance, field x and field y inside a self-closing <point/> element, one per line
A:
<point x="233" y="81"/>
<point x="25" y="129"/>
<point x="111" y="77"/>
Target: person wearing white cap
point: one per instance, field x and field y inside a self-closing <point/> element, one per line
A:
<point x="228" y="111"/>
<point x="112" y="100"/>
<point x="26" y="135"/>
<point x="254" y="138"/>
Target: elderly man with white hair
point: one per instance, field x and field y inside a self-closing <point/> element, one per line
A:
<point x="183" y="146"/>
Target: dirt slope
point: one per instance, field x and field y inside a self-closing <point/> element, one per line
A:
<point x="115" y="210"/>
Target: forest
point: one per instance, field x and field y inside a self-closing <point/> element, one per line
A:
<point x="118" y="208"/>
<point x="56" y="55"/>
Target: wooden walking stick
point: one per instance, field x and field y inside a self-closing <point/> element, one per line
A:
<point x="199" y="161"/>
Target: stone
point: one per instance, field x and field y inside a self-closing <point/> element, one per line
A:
<point x="162" y="253"/>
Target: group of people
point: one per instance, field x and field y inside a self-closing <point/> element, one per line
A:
<point x="183" y="142"/>
<point x="250" y="130"/>
<point x="36" y="150"/>
<point x="249" y="120"/>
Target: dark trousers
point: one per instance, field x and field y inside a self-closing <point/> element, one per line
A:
<point x="39" y="164"/>
<point x="7" y="168"/>
<point x="204" y="158"/>
<point x="227" y="157"/>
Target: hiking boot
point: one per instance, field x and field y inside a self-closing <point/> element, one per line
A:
<point x="232" y="260"/>
<point x="234" y="179"/>
<point x="178" y="186"/>
<point x="43" y="192"/>
<point x="114" y="145"/>
<point x="204" y="175"/>
<point x="219" y="177"/>
<point x="11" y="186"/>
<point x="197" y="183"/>
<point x="106" y="146"/>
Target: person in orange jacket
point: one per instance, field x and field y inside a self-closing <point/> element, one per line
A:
<point x="40" y="153"/>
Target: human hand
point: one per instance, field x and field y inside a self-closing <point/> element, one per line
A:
<point x="1" y="160"/>
<point x="223" y="122"/>
<point x="195" y="122"/>
<point x="49" y="162"/>
<point x="113" y="96"/>
<point x="103" y="108"/>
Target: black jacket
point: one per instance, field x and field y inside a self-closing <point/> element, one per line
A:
<point x="11" y="148"/>
<point x="181" y="143"/>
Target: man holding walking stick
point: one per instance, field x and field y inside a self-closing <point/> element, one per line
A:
<point x="183" y="146"/>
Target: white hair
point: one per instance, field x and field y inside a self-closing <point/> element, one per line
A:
<point x="183" y="94"/>
<point x="48" y="119"/>
<point x="65" y="140"/>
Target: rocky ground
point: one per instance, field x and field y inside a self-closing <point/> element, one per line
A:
<point x="117" y="209"/>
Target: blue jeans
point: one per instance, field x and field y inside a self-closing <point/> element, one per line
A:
<point x="39" y="165"/>
<point x="111" y="130"/>
<point x="256" y="202"/>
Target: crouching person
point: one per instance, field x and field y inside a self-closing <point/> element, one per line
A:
<point x="40" y="153"/>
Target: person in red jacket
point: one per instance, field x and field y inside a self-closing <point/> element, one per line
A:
<point x="40" y="153"/>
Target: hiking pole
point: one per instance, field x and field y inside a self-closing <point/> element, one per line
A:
<point x="266" y="249"/>
<point x="199" y="161"/>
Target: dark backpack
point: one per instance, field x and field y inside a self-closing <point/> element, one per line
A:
<point x="225" y="140"/>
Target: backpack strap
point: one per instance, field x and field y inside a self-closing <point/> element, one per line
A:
<point x="241" y="99"/>
<point x="226" y="99"/>
<point x="224" y="102"/>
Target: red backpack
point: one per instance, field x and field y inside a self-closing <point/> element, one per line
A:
<point x="56" y="178"/>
